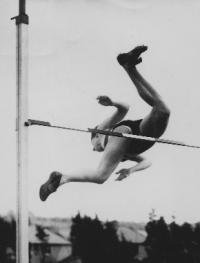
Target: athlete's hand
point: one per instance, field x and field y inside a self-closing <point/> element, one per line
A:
<point x="105" y="101"/>
<point x="123" y="173"/>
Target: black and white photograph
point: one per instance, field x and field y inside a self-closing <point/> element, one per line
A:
<point x="99" y="138"/>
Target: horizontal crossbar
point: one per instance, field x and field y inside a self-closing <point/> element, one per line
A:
<point x="31" y="122"/>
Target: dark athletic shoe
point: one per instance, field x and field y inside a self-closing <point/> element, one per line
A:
<point x="131" y="58"/>
<point x="50" y="186"/>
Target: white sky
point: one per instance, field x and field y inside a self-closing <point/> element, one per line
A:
<point x="73" y="47"/>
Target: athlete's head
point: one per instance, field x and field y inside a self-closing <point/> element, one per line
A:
<point x="96" y="141"/>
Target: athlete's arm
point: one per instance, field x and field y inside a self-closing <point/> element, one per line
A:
<point x="117" y="116"/>
<point x="142" y="164"/>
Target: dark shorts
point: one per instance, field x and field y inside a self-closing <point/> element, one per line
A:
<point x="136" y="146"/>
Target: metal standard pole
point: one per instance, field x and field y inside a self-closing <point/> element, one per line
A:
<point x="22" y="135"/>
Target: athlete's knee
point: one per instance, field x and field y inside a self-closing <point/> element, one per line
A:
<point x="162" y="111"/>
<point x="102" y="174"/>
<point x="164" y="114"/>
<point x="100" y="177"/>
<point x="100" y="180"/>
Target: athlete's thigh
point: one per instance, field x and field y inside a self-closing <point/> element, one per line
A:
<point x="114" y="152"/>
<point x="155" y="123"/>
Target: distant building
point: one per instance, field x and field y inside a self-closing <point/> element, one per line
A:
<point x="51" y="246"/>
<point x="54" y="245"/>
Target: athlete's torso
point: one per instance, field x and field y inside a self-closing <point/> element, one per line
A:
<point x="136" y="146"/>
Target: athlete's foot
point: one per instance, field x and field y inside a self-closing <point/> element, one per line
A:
<point x="131" y="58"/>
<point x="50" y="186"/>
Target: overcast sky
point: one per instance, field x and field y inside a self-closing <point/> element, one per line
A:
<point x="73" y="47"/>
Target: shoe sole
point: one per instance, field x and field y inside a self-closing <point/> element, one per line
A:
<point x="44" y="191"/>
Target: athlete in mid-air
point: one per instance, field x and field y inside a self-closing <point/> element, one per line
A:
<point x="116" y="149"/>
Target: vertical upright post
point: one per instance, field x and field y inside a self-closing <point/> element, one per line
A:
<point x="22" y="134"/>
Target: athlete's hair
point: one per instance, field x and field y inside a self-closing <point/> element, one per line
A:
<point x="93" y="134"/>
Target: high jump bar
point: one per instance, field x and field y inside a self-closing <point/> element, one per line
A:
<point x="31" y="122"/>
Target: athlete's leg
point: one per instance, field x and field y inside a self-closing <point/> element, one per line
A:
<point x="56" y="179"/>
<point x="146" y="94"/>
<point x="113" y="154"/>
<point x="156" y="122"/>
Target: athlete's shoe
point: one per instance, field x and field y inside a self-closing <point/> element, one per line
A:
<point x="50" y="186"/>
<point x="131" y="58"/>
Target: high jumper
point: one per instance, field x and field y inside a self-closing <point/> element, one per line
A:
<point x="116" y="149"/>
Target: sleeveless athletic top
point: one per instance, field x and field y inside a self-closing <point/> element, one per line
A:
<point x="136" y="146"/>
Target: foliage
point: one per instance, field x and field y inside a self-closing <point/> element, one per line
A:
<point x="94" y="241"/>
<point x="7" y="236"/>
<point x="172" y="243"/>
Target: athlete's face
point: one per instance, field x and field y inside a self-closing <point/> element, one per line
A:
<point x="96" y="143"/>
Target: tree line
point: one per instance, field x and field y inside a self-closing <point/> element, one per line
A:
<point x="94" y="241"/>
<point x="7" y="238"/>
